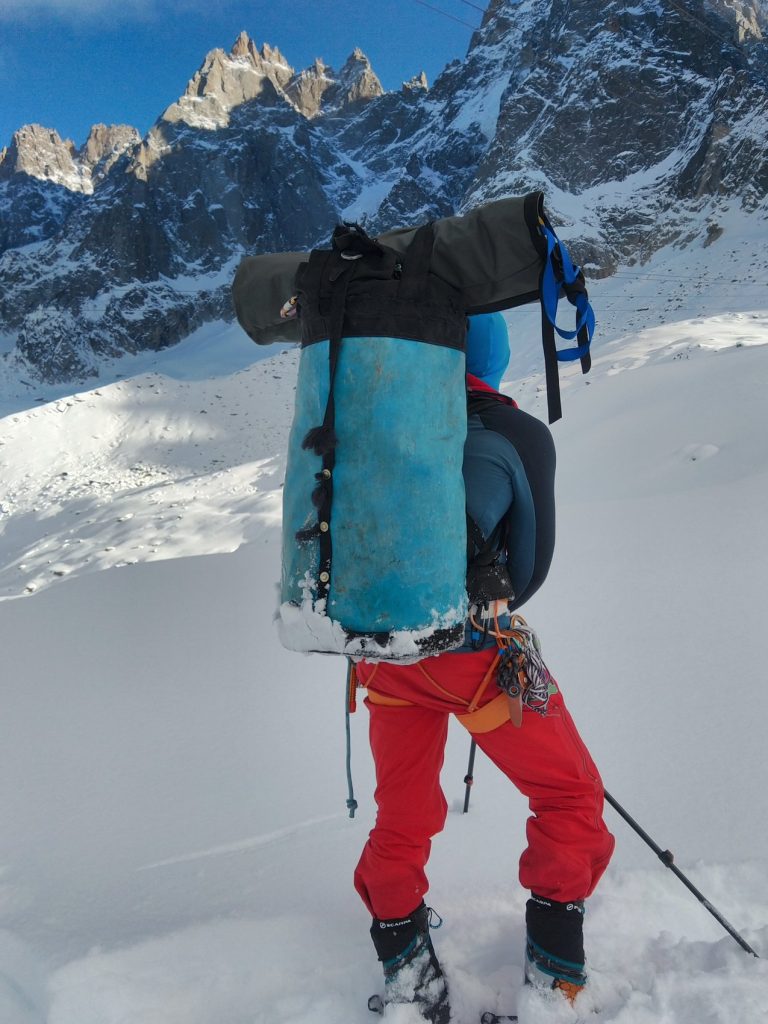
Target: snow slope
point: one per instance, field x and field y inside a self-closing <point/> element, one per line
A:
<point x="176" y="848"/>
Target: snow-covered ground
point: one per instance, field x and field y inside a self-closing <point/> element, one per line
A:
<point x="175" y="847"/>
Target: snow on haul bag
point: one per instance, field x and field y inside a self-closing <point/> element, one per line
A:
<point x="374" y="519"/>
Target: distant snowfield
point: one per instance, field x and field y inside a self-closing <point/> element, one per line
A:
<point x="175" y="846"/>
<point x="145" y="468"/>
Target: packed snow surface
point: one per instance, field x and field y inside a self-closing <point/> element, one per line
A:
<point x="175" y="845"/>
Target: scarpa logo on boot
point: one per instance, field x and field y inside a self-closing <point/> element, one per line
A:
<point x="540" y="900"/>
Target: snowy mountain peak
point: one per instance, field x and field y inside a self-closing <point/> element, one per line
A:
<point x="104" y="147"/>
<point x="418" y="83"/>
<point x="320" y="90"/>
<point x="227" y="80"/>
<point x="358" y="79"/>
<point x="41" y="182"/>
<point x="268" y="60"/>
<point x="41" y="153"/>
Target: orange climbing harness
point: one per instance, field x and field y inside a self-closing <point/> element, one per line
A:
<point x="515" y="643"/>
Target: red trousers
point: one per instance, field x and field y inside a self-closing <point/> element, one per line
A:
<point x="568" y="844"/>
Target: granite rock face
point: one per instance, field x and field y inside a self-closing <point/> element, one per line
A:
<point x="748" y="17"/>
<point x="44" y="178"/>
<point x="320" y="91"/>
<point x="104" y="147"/>
<point x="642" y="125"/>
<point x="639" y="125"/>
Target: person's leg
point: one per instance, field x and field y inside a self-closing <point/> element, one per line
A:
<point x="569" y="846"/>
<point x="408" y="747"/>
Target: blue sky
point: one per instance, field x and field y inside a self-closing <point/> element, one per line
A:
<point x="68" y="64"/>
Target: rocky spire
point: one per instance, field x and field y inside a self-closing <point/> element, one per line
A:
<point x="307" y="89"/>
<point x="320" y="90"/>
<point x="41" y="153"/>
<point x="243" y="46"/>
<point x="104" y="147"/>
<point x="418" y="83"/>
<point x="278" y="67"/>
<point x="358" y="80"/>
<point x="225" y="80"/>
<point x="280" y="70"/>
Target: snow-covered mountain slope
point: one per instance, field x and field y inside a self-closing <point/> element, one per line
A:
<point x="156" y="466"/>
<point x="175" y="845"/>
<point x="644" y="125"/>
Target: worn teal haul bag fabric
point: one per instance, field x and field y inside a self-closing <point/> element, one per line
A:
<point x="374" y="522"/>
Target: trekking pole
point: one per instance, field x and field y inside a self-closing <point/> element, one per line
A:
<point x="667" y="859"/>
<point x="469" y="777"/>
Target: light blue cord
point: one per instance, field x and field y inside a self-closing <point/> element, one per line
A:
<point x="351" y="802"/>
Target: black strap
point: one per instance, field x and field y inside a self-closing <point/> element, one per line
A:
<point x="482" y="550"/>
<point x="551" y="372"/>
<point x="551" y="368"/>
<point x="323" y="438"/>
<point x="583" y="339"/>
<point x="572" y="291"/>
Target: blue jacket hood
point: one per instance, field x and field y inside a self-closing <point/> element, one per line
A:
<point x="488" y="347"/>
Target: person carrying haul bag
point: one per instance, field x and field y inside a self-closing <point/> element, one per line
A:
<point x="500" y="690"/>
<point x="399" y="392"/>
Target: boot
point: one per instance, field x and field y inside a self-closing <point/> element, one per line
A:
<point x="412" y="973"/>
<point x="554" y="949"/>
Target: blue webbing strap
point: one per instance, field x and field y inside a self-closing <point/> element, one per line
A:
<point x="560" y="273"/>
<point x="572" y="282"/>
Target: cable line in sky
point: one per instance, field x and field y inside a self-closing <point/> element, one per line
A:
<point x="445" y="14"/>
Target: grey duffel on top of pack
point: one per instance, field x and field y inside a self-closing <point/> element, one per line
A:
<point x="496" y="256"/>
<point x="488" y="254"/>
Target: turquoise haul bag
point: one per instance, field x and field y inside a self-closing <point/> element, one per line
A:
<point x="374" y="531"/>
<point x="374" y="515"/>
